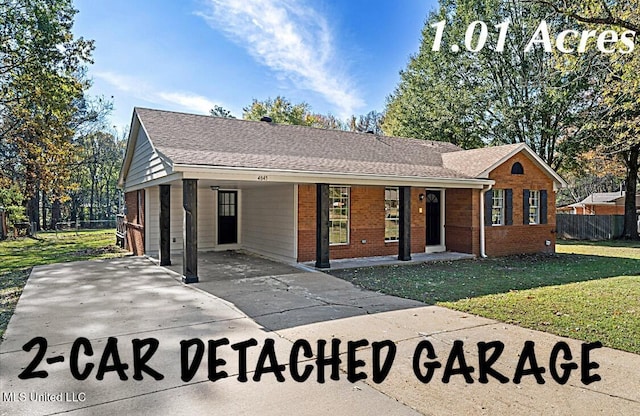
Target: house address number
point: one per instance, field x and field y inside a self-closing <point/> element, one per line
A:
<point x="263" y="178"/>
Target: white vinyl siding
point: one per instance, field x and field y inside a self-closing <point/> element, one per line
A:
<point x="146" y="164"/>
<point x="206" y="213"/>
<point x="268" y="221"/>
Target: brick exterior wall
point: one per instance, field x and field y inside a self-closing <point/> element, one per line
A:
<point x="134" y="221"/>
<point x="366" y="222"/>
<point x="462" y="220"/>
<point x="605" y="209"/>
<point x="522" y="238"/>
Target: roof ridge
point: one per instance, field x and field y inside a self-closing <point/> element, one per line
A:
<point x="279" y="125"/>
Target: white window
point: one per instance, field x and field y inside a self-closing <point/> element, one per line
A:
<point x="391" y="214"/>
<point x="338" y="215"/>
<point x="497" y="207"/>
<point x="534" y="207"/>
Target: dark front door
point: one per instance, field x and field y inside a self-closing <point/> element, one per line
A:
<point x="227" y="217"/>
<point x="433" y="218"/>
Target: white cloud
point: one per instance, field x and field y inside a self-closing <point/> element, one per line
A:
<point x="141" y="90"/>
<point x="292" y="39"/>
<point x="187" y="100"/>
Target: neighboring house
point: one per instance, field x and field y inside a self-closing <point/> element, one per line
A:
<point x="299" y="194"/>
<point x="598" y="203"/>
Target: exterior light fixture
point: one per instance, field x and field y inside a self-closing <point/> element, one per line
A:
<point x="421" y="197"/>
<point x="215" y="188"/>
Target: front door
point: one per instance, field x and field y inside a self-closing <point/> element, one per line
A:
<point x="227" y="217"/>
<point x="433" y="218"/>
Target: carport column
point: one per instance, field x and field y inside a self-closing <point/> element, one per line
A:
<point x="404" y="245"/>
<point x="165" y="220"/>
<point x="190" y="231"/>
<point x="322" y="226"/>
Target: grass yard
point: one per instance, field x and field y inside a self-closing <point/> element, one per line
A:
<point x="17" y="257"/>
<point x="588" y="291"/>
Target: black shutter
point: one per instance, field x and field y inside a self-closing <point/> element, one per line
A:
<point x="508" y="207"/>
<point x="525" y="206"/>
<point x="488" y="204"/>
<point x="543" y="207"/>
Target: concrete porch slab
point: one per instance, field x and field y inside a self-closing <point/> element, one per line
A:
<point x="391" y="260"/>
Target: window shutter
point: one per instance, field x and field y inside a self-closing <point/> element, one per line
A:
<point x="488" y="204"/>
<point x="508" y="207"/>
<point x="525" y="206"/>
<point x="543" y="207"/>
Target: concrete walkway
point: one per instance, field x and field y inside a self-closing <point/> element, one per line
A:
<point x="132" y="299"/>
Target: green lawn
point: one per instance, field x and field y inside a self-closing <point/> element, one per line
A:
<point x="17" y="257"/>
<point x="593" y="294"/>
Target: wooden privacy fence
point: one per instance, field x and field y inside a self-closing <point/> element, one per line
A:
<point x="589" y="227"/>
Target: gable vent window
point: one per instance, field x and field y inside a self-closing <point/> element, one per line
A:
<point x="517" y="169"/>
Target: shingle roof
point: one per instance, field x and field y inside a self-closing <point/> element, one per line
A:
<point x="190" y="139"/>
<point x="214" y="141"/>
<point x="600" y="198"/>
<point x="476" y="162"/>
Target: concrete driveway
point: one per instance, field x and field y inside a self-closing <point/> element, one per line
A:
<point x="87" y="310"/>
<point x="279" y="296"/>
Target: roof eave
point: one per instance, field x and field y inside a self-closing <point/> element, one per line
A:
<point x="299" y="176"/>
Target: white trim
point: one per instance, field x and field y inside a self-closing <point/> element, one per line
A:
<point x="482" y="236"/>
<point x="442" y="246"/>
<point x="295" y="221"/>
<point x="159" y="181"/>
<point x="435" y="249"/>
<point x="442" y="220"/>
<point x="385" y="215"/>
<point x="238" y="244"/>
<point x="297" y="176"/>
<point x="145" y="224"/>
<point x="348" y="242"/>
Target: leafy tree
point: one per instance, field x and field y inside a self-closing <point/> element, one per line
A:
<point x="487" y="97"/>
<point x="280" y="110"/>
<point x="101" y="154"/>
<point x="370" y="122"/>
<point x="11" y="200"/>
<point x="42" y="100"/>
<point x="329" y="122"/>
<point x="219" y="111"/>
<point x="615" y="121"/>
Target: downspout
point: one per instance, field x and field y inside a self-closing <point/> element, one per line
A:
<point x="482" y="239"/>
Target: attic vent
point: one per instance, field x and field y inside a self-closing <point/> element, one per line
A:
<point x="267" y="119"/>
<point x="517" y="169"/>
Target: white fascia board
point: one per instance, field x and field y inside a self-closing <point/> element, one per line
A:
<point x="159" y="181"/>
<point x="292" y="176"/>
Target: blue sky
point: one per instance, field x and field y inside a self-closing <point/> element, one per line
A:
<point x="341" y="57"/>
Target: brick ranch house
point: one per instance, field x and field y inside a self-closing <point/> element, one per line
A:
<point x="598" y="203"/>
<point x="299" y="194"/>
